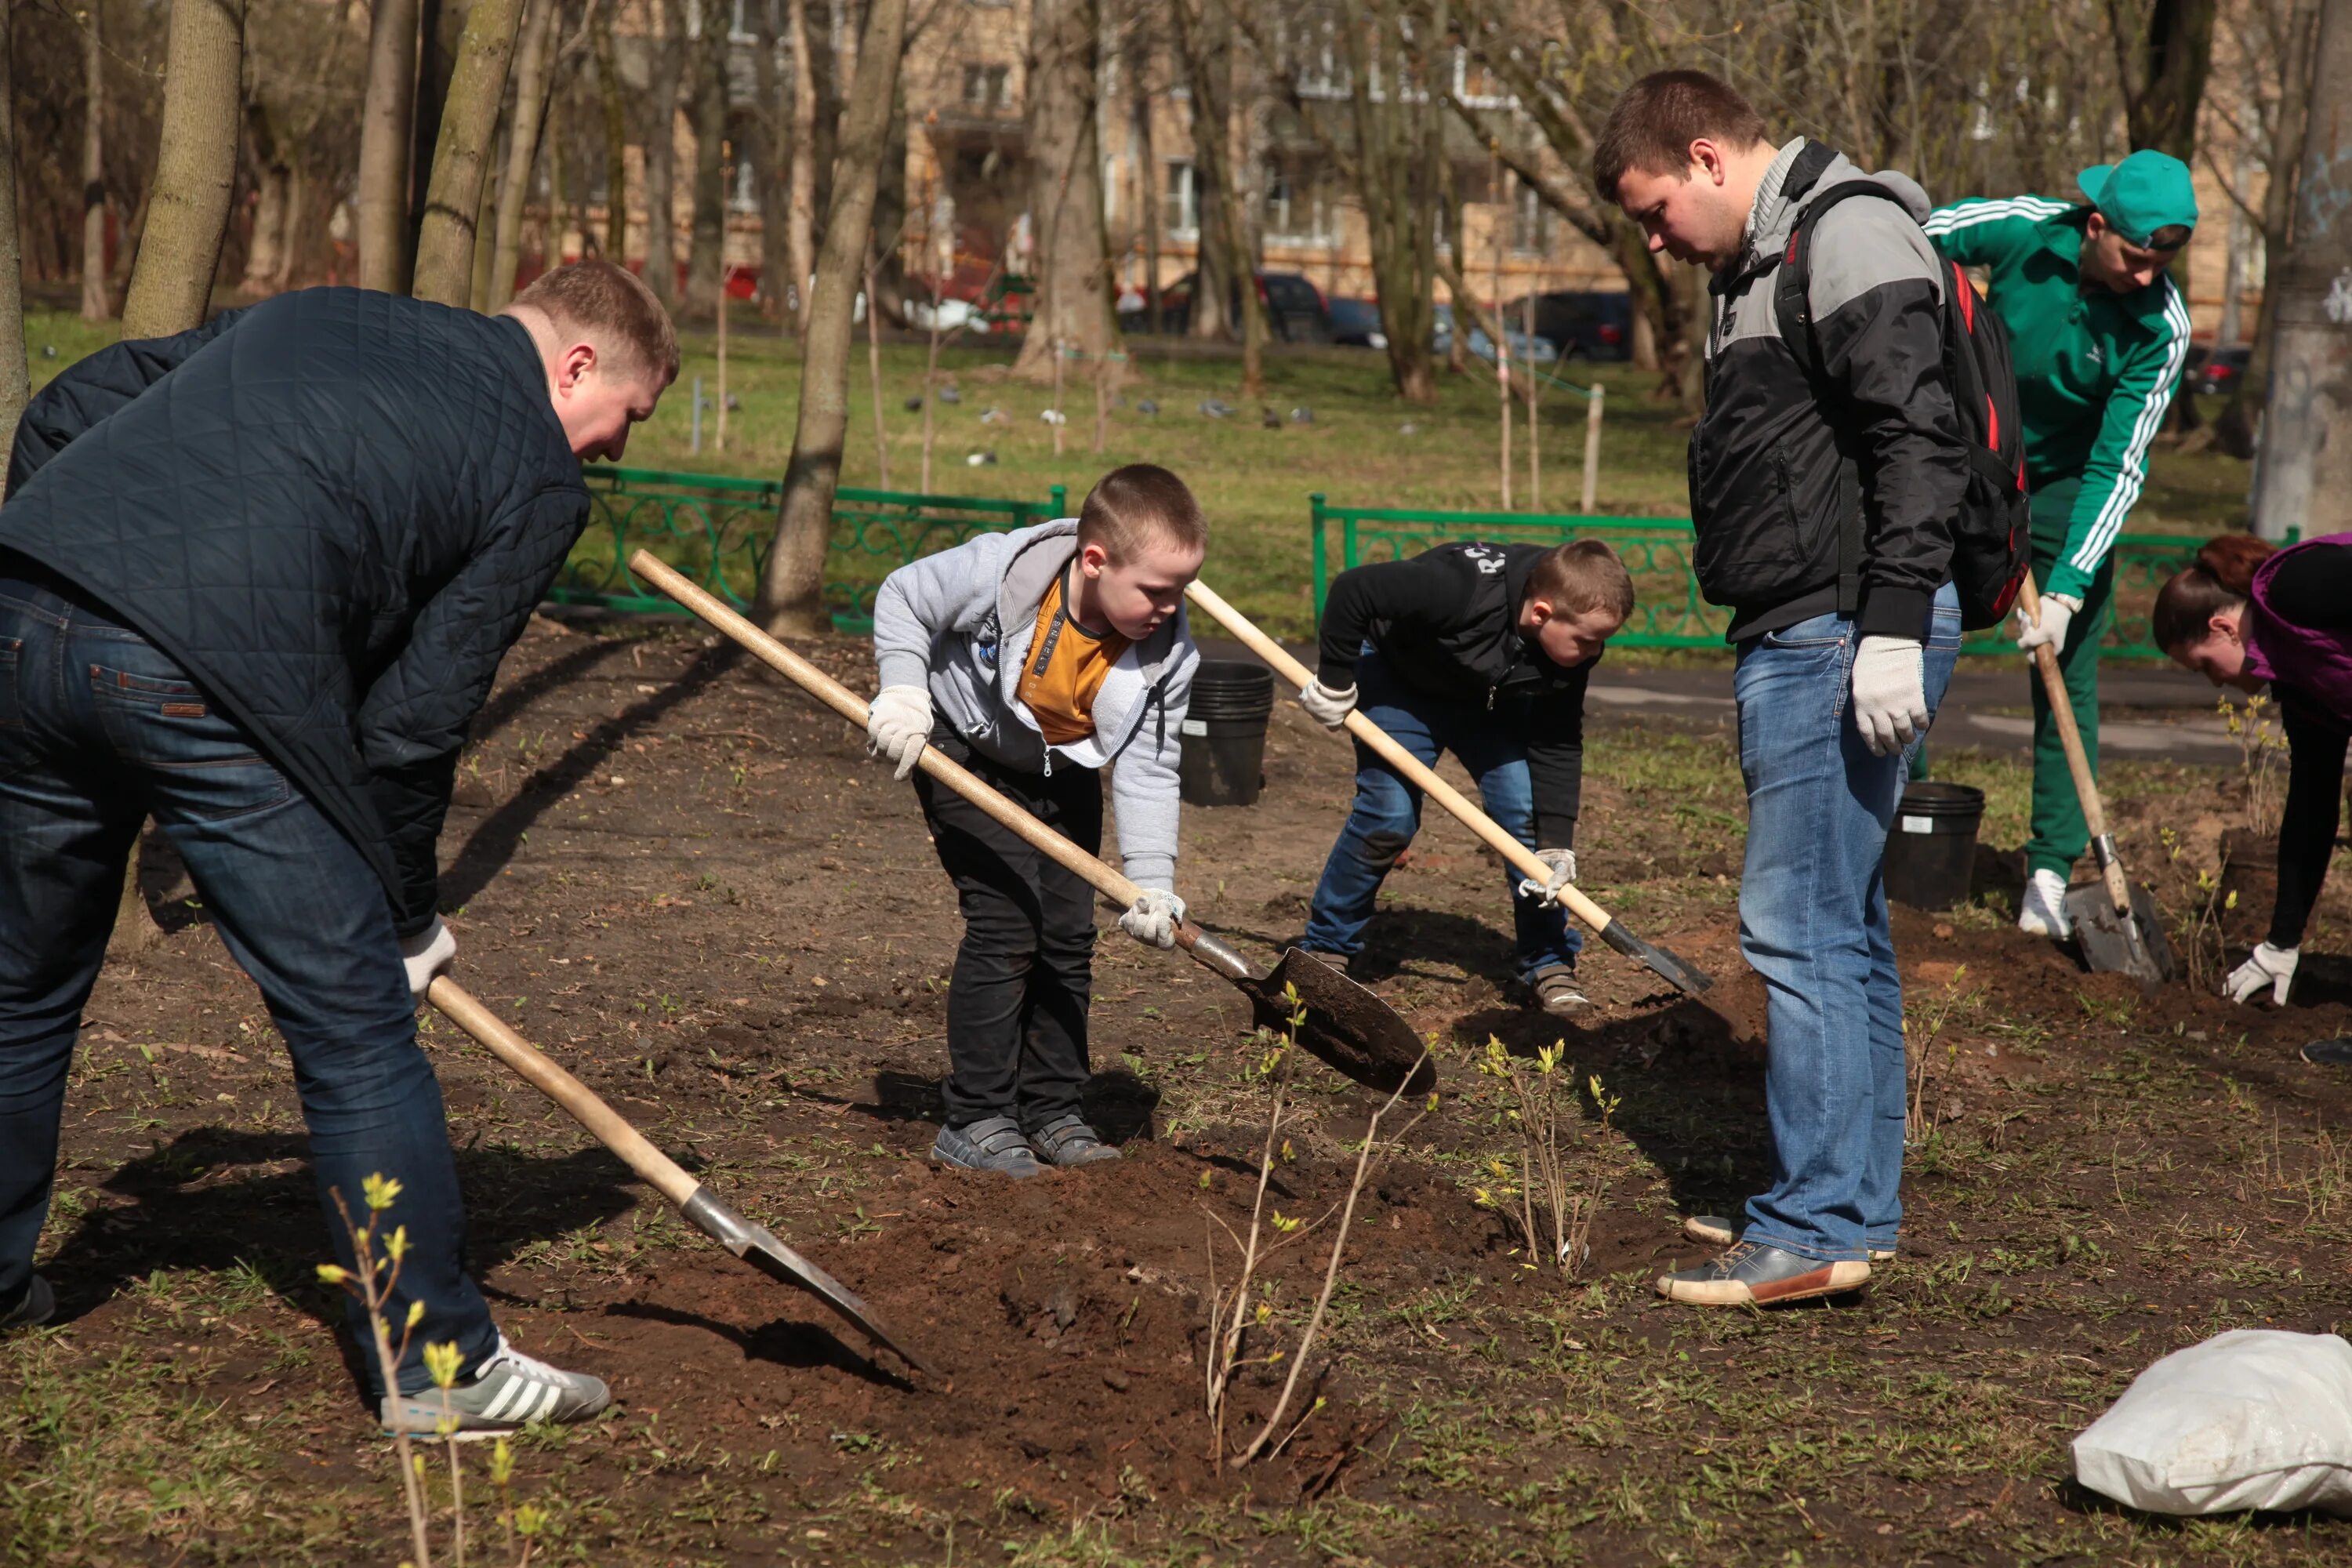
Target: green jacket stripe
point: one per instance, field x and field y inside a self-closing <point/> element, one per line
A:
<point x="2131" y="463"/>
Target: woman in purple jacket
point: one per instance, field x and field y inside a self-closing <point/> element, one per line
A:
<point x="2247" y="615"/>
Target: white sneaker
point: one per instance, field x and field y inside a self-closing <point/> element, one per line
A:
<point x="2043" y="910"/>
<point x="506" y="1393"/>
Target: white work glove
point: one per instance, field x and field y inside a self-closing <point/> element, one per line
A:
<point x="1326" y="707"/>
<point x="2268" y="965"/>
<point x="1563" y="872"/>
<point x="2057" y="612"/>
<point x="427" y="954"/>
<point x="898" y="726"/>
<point x="1890" y="693"/>
<point x="1153" y="918"/>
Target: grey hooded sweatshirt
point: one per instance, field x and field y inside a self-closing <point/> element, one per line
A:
<point x="959" y="623"/>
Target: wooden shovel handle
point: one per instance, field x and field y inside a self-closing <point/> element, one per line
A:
<point x="847" y="703"/>
<point x="1515" y="853"/>
<point x="609" y="1126"/>
<point x="2078" y="763"/>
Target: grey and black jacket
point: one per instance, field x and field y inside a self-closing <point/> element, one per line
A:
<point x="1783" y="459"/>
<point x="959" y="625"/>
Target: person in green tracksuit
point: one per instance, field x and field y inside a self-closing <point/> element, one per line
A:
<point x="2100" y="336"/>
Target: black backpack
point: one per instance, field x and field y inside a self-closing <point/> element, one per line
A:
<point x="1988" y="536"/>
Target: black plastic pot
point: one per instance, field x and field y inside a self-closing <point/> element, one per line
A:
<point x="1223" y="736"/>
<point x="1932" y="852"/>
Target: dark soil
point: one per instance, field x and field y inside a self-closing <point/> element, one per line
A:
<point x="688" y="885"/>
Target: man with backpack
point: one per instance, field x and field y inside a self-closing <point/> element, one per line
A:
<point x="1829" y="478"/>
<point x="2102" y="335"/>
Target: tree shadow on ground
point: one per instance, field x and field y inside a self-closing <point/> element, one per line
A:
<point x="791" y="1342"/>
<point x="495" y="839"/>
<point x="196" y="1206"/>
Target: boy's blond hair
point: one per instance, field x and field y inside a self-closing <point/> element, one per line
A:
<point x="1583" y="574"/>
<point x="1141" y="502"/>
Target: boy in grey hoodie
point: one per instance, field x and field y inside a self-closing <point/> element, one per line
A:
<point x="1037" y="658"/>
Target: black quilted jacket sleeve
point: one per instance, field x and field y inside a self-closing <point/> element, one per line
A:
<point x="89" y="390"/>
<point x="336" y="513"/>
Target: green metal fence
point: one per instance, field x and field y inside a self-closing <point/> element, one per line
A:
<point x="717" y="529"/>
<point x="1668" y="610"/>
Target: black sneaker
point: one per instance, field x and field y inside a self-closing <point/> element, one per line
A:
<point x="1067" y="1140"/>
<point x="36" y="1307"/>
<point x="1716" y="1231"/>
<point x="994" y="1144"/>
<point x="1754" y="1275"/>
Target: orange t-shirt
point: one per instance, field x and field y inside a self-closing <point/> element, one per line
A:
<point x="1066" y="667"/>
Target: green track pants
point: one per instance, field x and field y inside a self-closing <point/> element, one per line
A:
<point x="2059" y="833"/>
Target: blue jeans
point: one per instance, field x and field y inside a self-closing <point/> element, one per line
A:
<point x="1387" y="813"/>
<point x="99" y="730"/>
<point x="1813" y="924"/>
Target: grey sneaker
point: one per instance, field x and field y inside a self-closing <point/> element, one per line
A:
<point x="1555" y="991"/>
<point x="995" y="1145"/>
<point x="1754" y="1275"/>
<point x="1067" y="1140"/>
<point x="35" y="1310"/>
<point x="1716" y="1231"/>
<point x="506" y="1393"/>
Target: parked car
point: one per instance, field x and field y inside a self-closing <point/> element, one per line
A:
<point x="1588" y="325"/>
<point x="1295" y="311"/>
<point x="2212" y="371"/>
<point x="1357" y="323"/>
<point x="1537" y="350"/>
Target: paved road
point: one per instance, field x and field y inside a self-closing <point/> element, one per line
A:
<point x="2146" y="712"/>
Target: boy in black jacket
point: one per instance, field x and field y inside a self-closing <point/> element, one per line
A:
<point x="1482" y="650"/>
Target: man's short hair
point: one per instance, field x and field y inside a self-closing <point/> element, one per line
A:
<point x="1141" y="502"/>
<point x="612" y="305"/>
<point x="1657" y="118"/>
<point x="1582" y="575"/>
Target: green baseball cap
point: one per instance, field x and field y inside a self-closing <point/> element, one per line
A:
<point x="2148" y="192"/>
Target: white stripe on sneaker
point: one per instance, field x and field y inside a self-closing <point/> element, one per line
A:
<point x="546" y="1404"/>
<point x="497" y="1409"/>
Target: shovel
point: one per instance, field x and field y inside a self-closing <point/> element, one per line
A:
<point x="1346" y="1026"/>
<point x="2115" y="920"/>
<point x="709" y="1213"/>
<point x="1677" y="970"/>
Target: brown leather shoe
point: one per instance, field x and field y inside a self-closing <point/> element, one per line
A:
<point x="1751" y="1274"/>
<point x="1716" y="1231"/>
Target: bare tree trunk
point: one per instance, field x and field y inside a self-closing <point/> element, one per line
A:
<point x="1151" y="213"/>
<point x="97" y="305"/>
<point x="771" y="174"/>
<point x="15" y="379"/>
<point x="792" y="590"/>
<point x="801" y="234"/>
<point x="1071" y="306"/>
<point x="887" y="288"/>
<point x="380" y="211"/>
<point x="2304" y="477"/>
<point x="2238" y="426"/>
<point x="2164" y="62"/>
<point x="196" y="169"/>
<point x="436" y="60"/>
<point x="1204" y="38"/>
<point x="264" y="255"/>
<point x="610" y="94"/>
<point x="462" y="153"/>
<point x="533" y="74"/>
<point x="486" y="227"/>
<point x="705" y="255"/>
<point x="668" y="60"/>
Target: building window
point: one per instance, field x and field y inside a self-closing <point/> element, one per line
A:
<point x="1179" y="199"/>
<point x="1531" y="221"/>
<point x="1297" y="206"/>
<point x="988" y="87"/>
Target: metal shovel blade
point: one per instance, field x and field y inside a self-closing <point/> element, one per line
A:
<point x="1346" y="1026"/>
<point x="1671" y="966"/>
<point x="2110" y="945"/>
<point x="758" y="1245"/>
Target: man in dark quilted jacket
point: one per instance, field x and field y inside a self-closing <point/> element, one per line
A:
<point x="255" y="582"/>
